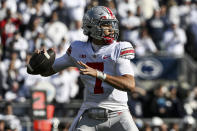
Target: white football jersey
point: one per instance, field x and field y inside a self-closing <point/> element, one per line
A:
<point x="97" y="92"/>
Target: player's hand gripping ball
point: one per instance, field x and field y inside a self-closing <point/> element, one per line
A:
<point x="41" y="62"/>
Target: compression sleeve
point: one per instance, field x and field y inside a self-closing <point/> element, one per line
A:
<point x="124" y="67"/>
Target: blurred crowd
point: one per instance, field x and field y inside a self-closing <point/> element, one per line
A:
<point x="152" y="26"/>
<point x="165" y="101"/>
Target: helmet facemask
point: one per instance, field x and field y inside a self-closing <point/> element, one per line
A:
<point x="108" y="39"/>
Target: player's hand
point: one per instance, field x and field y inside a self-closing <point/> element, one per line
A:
<point x="86" y="70"/>
<point x="41" y="61"/>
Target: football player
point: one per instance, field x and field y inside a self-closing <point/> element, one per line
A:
<point x="106" y="72"/>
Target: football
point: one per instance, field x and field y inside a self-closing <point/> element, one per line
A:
<point x="41" y="62"/>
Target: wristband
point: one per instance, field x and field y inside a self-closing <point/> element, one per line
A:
<point x="102" y="76"/>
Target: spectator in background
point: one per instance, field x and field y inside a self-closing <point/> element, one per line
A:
<point x="40" y="41"/>
<point x="146" y="127"/>
<point x="188" y="124"/>
<point x="192" y="16"/>
<point x="62" y="13"/>
<point x="12" y="6"/>
<point x="158" y="124"/>
<point x="135" y="102"/>
<point x="158" y="105"/>
<point x="75" y="9"/>
<point x="148" y="7"/>
<point x="175" y="107"/>
<point x="66" y="86"/>
<point x="156" y="27"/>
<point x="191" y="46"/>
<point x="12" y="122"/>
<point x="174" y="126"/>
<point x="7" y="28"/>
<point x="34" y="28"/>
<point x="173" y="11"/>
<point x="164" y="16"/>
<point x="3" y="10"/>
<point x="23" y="77"/>
<point x="26" y="9"/>
<point x="64" y="126"/>
<point x="123" y="6"/>
<point x="43" y="8"/>
<point x="2" y="90"/>
<point x="144" y="45"/>
<point x="139" y="13"/>
<point x="190" y="104"/>
<point x="77" y="33"/>
<point x="15" y="94"/>
<point x="54" y="25"/>
<point x="2" y="125"/>
<point x="14" y="59"/>
<point x="12" y="66"/>
<point x="12" y="73"/>
<point x="184" y="11"/>
<point x="130" y="25"/>
<point x="17" y="43"/>
<point x="3" y="79"/>
<point x="174" y="40"/>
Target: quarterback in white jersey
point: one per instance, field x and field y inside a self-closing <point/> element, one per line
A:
<point x="106" y="72"/>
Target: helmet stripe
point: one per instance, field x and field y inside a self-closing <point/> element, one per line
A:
<point x="110" y="12"/>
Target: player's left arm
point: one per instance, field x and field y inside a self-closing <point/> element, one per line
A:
<point x="124" y="80"/>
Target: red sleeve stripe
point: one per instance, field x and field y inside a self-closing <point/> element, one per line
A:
<point x="126" y="52"/>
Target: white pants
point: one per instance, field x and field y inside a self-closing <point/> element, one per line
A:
<point x="121" y="122"/>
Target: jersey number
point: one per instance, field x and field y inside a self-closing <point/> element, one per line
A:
<point x="99" y="66"/>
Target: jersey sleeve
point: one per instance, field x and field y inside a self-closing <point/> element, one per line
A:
<point x="123" y="55"/>
<point x="62" y="63"/>
<point x="66" y="60"/>
<point x="126" y="51"/>
<point x="124" y="66"/>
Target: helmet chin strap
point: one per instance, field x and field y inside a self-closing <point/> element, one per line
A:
<point x="108" y="40"/>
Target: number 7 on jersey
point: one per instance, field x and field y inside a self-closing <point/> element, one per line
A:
<point x="98" y="89"/>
